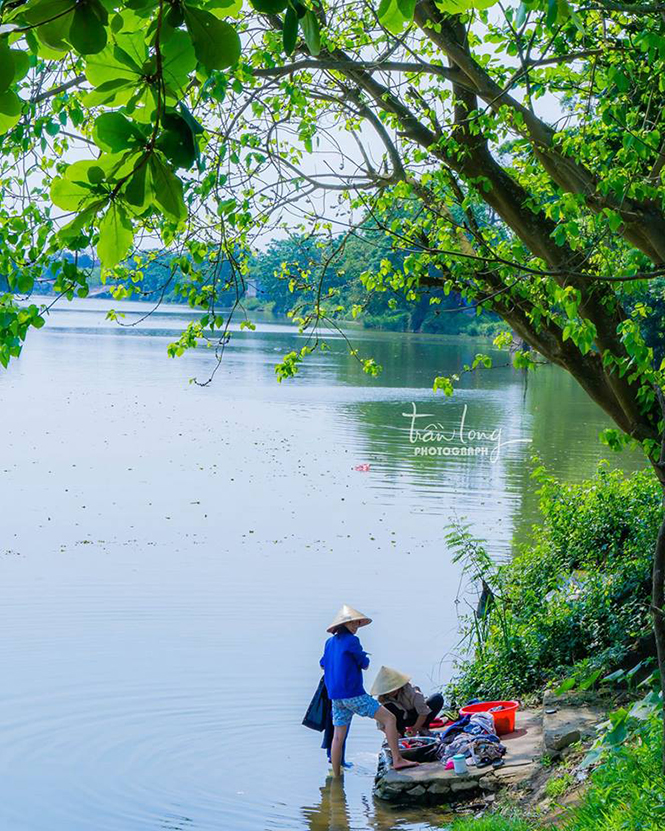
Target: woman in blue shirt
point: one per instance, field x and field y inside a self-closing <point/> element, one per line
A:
<point x="343" y="662"/>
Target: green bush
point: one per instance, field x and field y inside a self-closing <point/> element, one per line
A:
<point x="578" y="593"/>
<point x="628" y="791"/>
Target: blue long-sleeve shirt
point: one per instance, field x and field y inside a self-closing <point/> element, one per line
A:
<point x="343" y="662"/>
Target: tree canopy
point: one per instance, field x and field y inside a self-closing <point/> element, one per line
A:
<point x="512" y="154"/>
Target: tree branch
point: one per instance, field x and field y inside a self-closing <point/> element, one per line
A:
<point x="73" y="82"/>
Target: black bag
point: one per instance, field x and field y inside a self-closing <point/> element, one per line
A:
<point x="319" y="708"/>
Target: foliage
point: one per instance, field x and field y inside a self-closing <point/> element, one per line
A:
<point x="558" y="785"/>
<point x="146" y="119"/>
<point x="281" y="273"/>
<point x="627" y="724"/>
<point x="653" y="324"/>
<point x="578" y="594"/>
<point x="628" y="790"/>
<point x="491" y="822"/>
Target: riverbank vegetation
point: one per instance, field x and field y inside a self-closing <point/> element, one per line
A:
<point x="571" y="611"/>
<point x="574" y="601"/>
<point x="625" y="793"/>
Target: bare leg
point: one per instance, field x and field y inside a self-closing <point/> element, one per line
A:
<point x="388" y="724"/>
<point x="337" y="749"/>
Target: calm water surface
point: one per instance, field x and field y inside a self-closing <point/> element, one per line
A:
<point x="171" y="556"/>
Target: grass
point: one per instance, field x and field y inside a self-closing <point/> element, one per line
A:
<point x="491" y="823"/>
<point x="628" y="791"/>
<point x="558" y="785"/>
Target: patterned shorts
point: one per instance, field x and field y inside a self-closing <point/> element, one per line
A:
<point x="344" y="708"/>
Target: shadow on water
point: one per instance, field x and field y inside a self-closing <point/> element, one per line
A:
<point x="332" y="813"/>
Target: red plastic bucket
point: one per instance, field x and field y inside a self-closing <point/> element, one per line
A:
<point x="504" y="719"/>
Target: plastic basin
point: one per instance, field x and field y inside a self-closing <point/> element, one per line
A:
<point x="504" y="719"/>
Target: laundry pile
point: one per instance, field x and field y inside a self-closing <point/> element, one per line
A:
<point x="474" y="737"/>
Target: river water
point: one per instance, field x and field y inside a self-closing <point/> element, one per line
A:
<point x="171" y="556"/>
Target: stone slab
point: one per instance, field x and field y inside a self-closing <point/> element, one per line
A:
<point x="524" y="748"/>
<point x="567" y="720"/>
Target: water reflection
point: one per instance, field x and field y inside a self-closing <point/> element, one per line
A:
<point x="332" y="812"/>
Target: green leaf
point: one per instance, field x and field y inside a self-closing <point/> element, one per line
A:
<point x="115" y="92"/>
<point x="552" y="12"/>
<point x="21" y="63"/>
<point x="7" y="66"/>
<point x="461" y="6"/>
<point x="92" y="171"/>
<point x="195" y="126"/>
<point x="443" y="383"/>
<point x="167" y="190"/>
<point x="69" y="195"/>
<point x="131" y="49"/>
<point x="617" y="735"/>
<point x="643" y="710"/>
<point x="269" y="6"/>
<point x="81" y="183"/>
<point x="178" y="61"/>
<point x="290" y="31"/>
<point x="391" y="17"/>
<point x="135" y="190"/>
<point x="53" y="20"/>
<point x="632" y="672"/>
<point x="72" y="229"/>
<point x="311" y="31"/>
<point x="617" y="675"/>
<point x="568" y="684"/>
<point x="216" y="42"/>
<point x="87" y="33"/>
<point x="114" y="132"/>
<point x="590" y="680"/>
<point x="177" y="141"/>
<point x="109" y="65"/>
<point x="11" y="107"/>
<point x="591" y="757"/>
<point x="224" y="8"/>
<point x="175" y="16"/>
<point x="115" y="236"/>
<point x="521" y="16"/>
<point x="406" y="8"/>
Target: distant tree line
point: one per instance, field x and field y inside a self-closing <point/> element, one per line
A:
<point x="274" y="278"/>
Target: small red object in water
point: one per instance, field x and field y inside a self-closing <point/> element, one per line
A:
<point x="362" y="468"/>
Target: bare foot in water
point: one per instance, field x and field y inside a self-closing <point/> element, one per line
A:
<point x="404" y="763"/>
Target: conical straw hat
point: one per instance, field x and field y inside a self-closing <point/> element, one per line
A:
<point x="388" y="680"/>
<point x="347" y="614"/>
